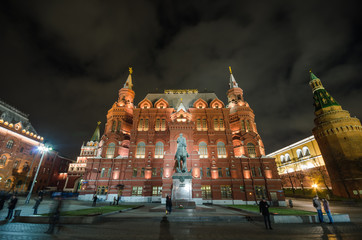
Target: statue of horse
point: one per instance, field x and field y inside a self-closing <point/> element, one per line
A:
<point x="181" y="154"/>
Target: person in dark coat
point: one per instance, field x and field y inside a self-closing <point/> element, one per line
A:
<point x="168" y="205"/>
<point x="12" y="205"/>
<point x="327" y="210"/>
<point x="94" y="200"/>
<point x="37" y="203"/>
<point x="264" y="210"/>
<point x="55" y="216"/>
<point x="2" y="202"/>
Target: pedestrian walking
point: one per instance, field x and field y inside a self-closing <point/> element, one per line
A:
<point x="37" y="203"/>
<point x="168" y="205"/>
<point x="290" y="203"/>
<point x="94" y="200"/>
<point x="118" y="199"/>
<point x="318" y="207"/>
<point x="264" y="210"/>
<point x="114" y="201"/>
<point x="12" y="204"/>
<point x="327" y="210"/>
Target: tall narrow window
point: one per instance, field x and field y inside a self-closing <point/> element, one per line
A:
<point x="161" y="172"/>
<point x="208" y="172"/>
<point x="163" y="125"/>
<point x="204" y="124"/>
<point x="113" y="126"/>
<point x="242" y="125"/>
<point x="140" y="125"/>
<point x="306" y="151"/>
<point x="102" y="172"/>
<point x="221" y="150"/>
<point x="299" y="153"/>
<point x="141" y="149"/>
<point x="248" y="125"/>
<point x="119" y="126"/>
<point x="260" y="172"/>
<point x="201" y="172"/>
<point x="154" y="172"/>
<point x="227" y="171"/>
<point x="110" y="150"/>
<point x="142" y="172"/>
<point x="3" y="160"/>
<point x="216" y="124"/>
<point x="253" y="172"/>
<point x="109" y="172"/>
<point x="146" y="125"/>
<point x="203" y="150"/>
<point x="159" y="150"/>
<point x="220" y="172"/>
<point x="134" y="172"/>
<point x="198" y="125"/>
<point x="221" y="124"/>
<point x="251" y="150"/>
<point x="157" y="125"/>
<point x="10" y="144"/>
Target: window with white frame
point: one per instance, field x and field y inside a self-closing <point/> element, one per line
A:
<point x="203" y="150"/>
<point x="306" y="151"/>
<point x="110" y="150"/>
<point x="221" y="150"/>
<point x="159" y="150"/>
<point x="141" y="150"/>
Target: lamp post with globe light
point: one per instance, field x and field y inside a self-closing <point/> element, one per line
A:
<point x="43" y="150"/>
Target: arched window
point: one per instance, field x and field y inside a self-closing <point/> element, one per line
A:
<point x="157" y="124"/>
<point x="221" y="150"/>
<point x="10" y="144"/>
<point x="221" y="124"/>
<point x="203" y="150"/>
<point x="251" y="150"/>
<point x="216" y="124"/>
<point x="248" y="125"/>
<point x="299" y="153"/>
<point x="198" y="125"/>
<point x="287" y="157"/>
<point x="141" y="150"/>
<point x="282" y="159"/>
<point x="113" y="126"/>
<point x="306" y="151"/>
<point x="159" y="150"/>
<point x="110" y="150"/>
<point x="3" y="160"/>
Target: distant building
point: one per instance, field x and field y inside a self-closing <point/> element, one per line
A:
<point x="301" y="164"/>
<point x="135" y="155"/>
<point x="19" y="155"/>
<point x="339" y="137"/>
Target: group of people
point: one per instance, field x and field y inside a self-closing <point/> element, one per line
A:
<point x="318" y="206"/>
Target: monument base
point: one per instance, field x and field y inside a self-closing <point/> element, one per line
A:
<point x="182" y="191"/>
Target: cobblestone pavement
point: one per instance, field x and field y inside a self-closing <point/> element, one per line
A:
<point x="173" y="231"/>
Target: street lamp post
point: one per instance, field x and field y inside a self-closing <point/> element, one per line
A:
<point x="43" y="150"/>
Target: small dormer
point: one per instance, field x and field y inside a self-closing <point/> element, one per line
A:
<point x="161" y="103"/>
<point x="217" y="103"/>
<point x="200" y="103"/>
<point x="145" y="103"/>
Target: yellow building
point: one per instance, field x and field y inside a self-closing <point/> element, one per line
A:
<point x="339" y="138"/>
<point x="300" y="165"/>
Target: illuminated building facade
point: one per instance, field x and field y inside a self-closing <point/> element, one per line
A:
<point x="301" y="164"/>
<point x="135" y="157"/>
<point x="19" y="155"/>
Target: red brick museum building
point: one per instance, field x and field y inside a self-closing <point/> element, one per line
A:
<point x="135" y="157"/>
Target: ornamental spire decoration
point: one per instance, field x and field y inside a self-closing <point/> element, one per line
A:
<point x="128" y="83"/>
<point x="233" y="83"/>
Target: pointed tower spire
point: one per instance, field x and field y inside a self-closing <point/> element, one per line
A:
<point x="128" y="83"/>
<point x="233" y="83"/>
<point x="322" y="99"/>
<point x="96" y="134"/>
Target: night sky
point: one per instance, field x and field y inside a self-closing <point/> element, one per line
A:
<point x="63" y="62"/>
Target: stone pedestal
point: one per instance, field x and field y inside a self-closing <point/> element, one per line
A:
<point x="182" y="190"/>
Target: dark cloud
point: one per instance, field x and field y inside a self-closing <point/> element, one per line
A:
<point x="64" y="61"/>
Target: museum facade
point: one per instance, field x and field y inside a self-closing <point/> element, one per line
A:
<point x="135" y="156"/>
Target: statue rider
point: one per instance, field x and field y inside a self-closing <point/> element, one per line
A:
<point x="181" y="154"/>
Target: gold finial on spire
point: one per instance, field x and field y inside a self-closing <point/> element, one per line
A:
<point x="130" y="70"/>
<point x="181" y="99"/>
<point x="310" y="70"/>
<point x="230" y="70"/>
<point x="99" y="122"/>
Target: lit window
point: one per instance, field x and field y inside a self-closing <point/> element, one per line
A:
<point x="114" y="126"/>
<point x="102" y="172"/>
<point x="10" y="144"/>
<point x="225" y="191"/>
<point x="299" y="153"/>
<point x="251" y="150"/>
<point x="163" y="125"/>
<point x="198" y="125"/>
<point x="287" y="157"/>
<point x="137" y="191"/>
<point x="3" y="160"/>
<point x="221" y="150"/>
<point x="203" y="150"/>
<point x="159" y="150"/>
<point x="110" y="150"/>
<point x="248" y="125"/>
<point x="204" y="125"/>
<point x="156" y="191"/>
<point x="141" y="149"/>
<point x="206" y="191"/>
<point x="242" y="125"/>
<point x="216" y="124"/>
<point x="157" y="125"/>
<point x="221" y="124"/>
<point x="109" y="172"/>
<point x="306" y="151"/>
